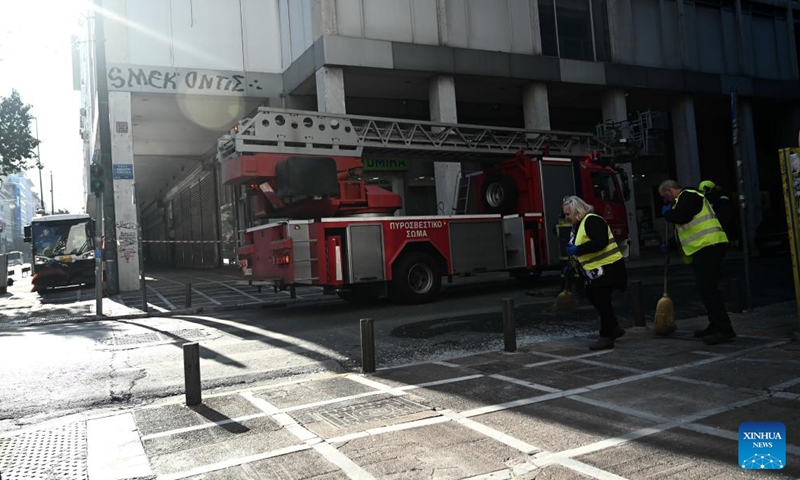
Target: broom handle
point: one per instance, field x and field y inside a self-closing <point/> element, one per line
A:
<point x="666" y="262"/>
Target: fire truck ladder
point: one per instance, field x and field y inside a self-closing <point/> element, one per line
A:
<point x="273" y="130"/>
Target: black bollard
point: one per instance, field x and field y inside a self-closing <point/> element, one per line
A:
<point x="638" y="308"/>
<point x="367" y="345"/>
<point x="191" y="373"/>
<point x="509" y="328"/>
<point x="736" y="295"/>
<point x="188" y="300"/>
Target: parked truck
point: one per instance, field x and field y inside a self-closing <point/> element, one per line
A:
<point x="340" y="233"/>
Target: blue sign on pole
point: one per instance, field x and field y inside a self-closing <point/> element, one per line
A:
<point x="123" y="171"/>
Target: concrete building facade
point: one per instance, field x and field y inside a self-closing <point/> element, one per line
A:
<point x="17" y="209"/>
<point x="180" y="74"/>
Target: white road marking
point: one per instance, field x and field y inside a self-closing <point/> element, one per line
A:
<point x="490" y="432"/>
<point x="240" y="292"/>
<point x="589" y="470"/>
<point x="234" y="462"/>
<point x="163" y="298"/>
<point x="392" y="428"/>
<point x="524" y="383"/>
<point x="328" y="452"/>
<point x="202" y="426"/>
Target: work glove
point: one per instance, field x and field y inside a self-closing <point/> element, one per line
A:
<point x="572" y="250"/>
<point x="665" y="209"/>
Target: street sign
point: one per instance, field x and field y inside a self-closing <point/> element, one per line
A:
<point x="123" y="171"/>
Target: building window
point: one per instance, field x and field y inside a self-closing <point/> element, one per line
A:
<point x="576" y="29"/>
<point x="601" y="42"/>
<point x="547" y="28"/>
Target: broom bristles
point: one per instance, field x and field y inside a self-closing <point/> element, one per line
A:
<point x="664" y="322"/>
<point x="565" y="301"/>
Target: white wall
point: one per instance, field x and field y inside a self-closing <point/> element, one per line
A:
<point x="209" y="34"/>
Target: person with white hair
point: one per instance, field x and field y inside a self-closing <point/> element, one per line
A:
<point x="601" y="264"/>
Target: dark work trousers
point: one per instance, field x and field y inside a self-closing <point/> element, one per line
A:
<point x="707" y="265"/>
<point x="600" y="298"/>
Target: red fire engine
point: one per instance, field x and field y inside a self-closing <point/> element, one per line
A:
<point x="341" y="233"/>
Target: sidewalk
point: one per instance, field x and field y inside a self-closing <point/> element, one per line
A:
<point x="666" y="408"/>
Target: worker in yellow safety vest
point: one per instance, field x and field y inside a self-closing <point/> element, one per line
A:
<point x="601" y="264"/>
<point x="704" y="242"/>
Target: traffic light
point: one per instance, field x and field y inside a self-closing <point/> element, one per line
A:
<point x="96" y="178"/>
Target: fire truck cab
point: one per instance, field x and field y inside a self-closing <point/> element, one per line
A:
<point x="341" y="234"/>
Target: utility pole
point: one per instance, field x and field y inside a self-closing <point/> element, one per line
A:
<point x="104" y="127"/>
<point x="39" y="164"/>
<point x="52" y="198"/>
<point x="740" y="180"/>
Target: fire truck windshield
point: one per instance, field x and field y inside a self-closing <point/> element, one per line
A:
<point x="61" y="238"/>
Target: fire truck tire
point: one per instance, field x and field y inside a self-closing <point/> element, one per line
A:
<point x="499" y="195"/>
<point x="416" y="278"/>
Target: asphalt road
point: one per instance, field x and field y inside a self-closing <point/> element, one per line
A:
<point x="57" y="369"/>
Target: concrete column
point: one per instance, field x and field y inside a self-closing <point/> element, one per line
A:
<point x="684" y="133"/>
<point x="536" y="106"/>
<point x="620" y="30"/>
<point x="127" y="227"/>
<point x="330" y="90"/>
<point x="615" y="105"/>
<point x="324" y="15"/>
<point x="752" y="186"/>
<point x="442" y="100"/>
<point x="615" y="108"/>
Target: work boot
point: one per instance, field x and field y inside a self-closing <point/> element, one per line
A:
<point x="619" y="332"/>
<point x="709" y="330"/>
<point x="719" y="337"/>
<point x="602" y="343"/>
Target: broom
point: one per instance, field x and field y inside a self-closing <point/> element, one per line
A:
<point x="565" y="301"/>
<point x="664" y="322"/>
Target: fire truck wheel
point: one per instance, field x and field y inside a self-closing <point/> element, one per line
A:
<point x="416" y="278"/>
<point x="499" y="195"/>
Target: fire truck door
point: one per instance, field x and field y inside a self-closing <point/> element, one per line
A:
<point x="514" y="230"/>
<point x="477" y="246"/>
<point x="365" y="253"/>
<point x="558" y="181"/>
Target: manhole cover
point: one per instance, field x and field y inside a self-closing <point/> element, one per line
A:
<point x="187" y="334"/>
<point x="136" y="339"/>
<point x="56" y="453"/>
<point x="385" y="409"/>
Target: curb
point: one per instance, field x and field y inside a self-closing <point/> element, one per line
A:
<point x="171" y="313"/>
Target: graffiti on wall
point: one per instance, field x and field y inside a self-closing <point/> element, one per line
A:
<point x="134" y="78"/>
<point x="127" y="240"/>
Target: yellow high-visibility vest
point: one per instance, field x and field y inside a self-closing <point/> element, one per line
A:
<point x="702" y="231"/>
<point x="606" y="256"/>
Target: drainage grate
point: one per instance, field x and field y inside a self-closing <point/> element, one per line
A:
<point x="136" y="339"/>
<point x="56" y="453"/>
<point x="385" y="409"/>
<point x="187" y="334"/>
